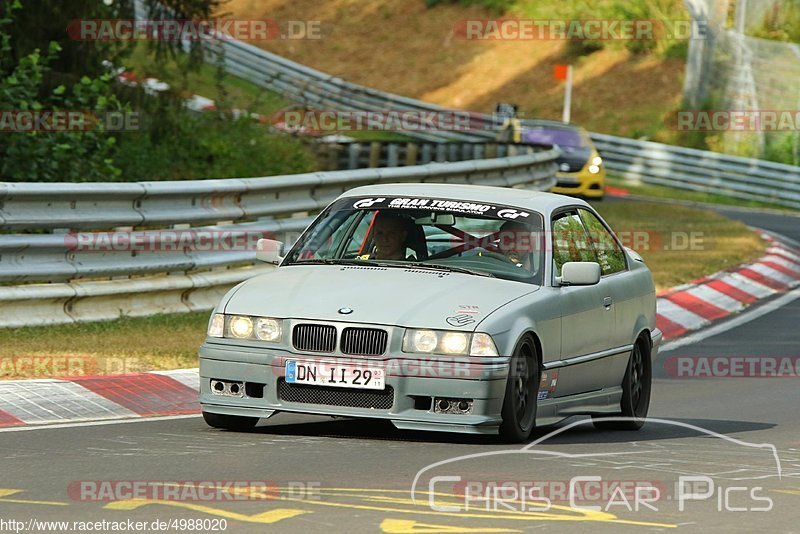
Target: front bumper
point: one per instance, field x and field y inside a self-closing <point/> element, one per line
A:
<point x="582" y="183"/>
<point x="410" y="379"/>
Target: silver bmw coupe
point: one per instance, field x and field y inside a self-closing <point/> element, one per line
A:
<point x="453" y="308"/>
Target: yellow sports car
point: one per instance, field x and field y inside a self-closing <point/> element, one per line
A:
<point x="580" y="167"/>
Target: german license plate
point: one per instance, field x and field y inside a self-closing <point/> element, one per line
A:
<point x="334" y="375"/>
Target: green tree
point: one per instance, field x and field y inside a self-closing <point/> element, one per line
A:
<point x="76" y="155"/>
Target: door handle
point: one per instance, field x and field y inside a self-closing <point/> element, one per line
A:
<point x="607" y="302"/>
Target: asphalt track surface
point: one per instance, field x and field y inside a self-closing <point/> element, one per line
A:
<point x="326" y="475"/>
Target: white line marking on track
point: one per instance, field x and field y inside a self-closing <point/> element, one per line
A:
<point x="98" y="423"/>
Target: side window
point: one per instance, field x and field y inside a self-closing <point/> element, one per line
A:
<point x="570" y="241"/>
<point x="356" y="241"/>
<point x="610" y="255"/>
<point x="328" y="246"/>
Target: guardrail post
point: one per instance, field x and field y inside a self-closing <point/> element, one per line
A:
<point x="411" y="153"/>
<point x="374" y="155"/>
<point x="353" y="152"/>
<point x="392" y="156"/>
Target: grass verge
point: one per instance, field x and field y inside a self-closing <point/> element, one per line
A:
<point x="659" y="191"/>
<point x="202" y="80"/>
<point x="171" y="341"/>
<point x="126" y="345"/>
<point x="681" y="244"/>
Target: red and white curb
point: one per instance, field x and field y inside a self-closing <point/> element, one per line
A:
<point x="695" y="306"/>
<point x="165" y="393"/>
<point x="52" y="401"/>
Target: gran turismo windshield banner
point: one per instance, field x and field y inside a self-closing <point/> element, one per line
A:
<point x="447" y="205"/>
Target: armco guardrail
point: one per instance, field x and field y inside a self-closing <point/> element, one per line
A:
<point x="699" y="170"/>
<point x="745" y="178"/>
<point x="358" y="154"/>
<point x="99" y="265"/>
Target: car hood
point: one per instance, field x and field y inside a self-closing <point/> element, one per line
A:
<point x="376" y="295"/>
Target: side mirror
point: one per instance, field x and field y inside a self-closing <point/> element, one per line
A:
<point x="579" y="273"/>
<point x="269" y="251"/>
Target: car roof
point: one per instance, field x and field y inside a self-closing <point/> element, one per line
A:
<point x="555" y="125"/>
<point x="521" y="198"/>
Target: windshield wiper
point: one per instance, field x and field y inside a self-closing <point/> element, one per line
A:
<point x="440" y="267"/>
<point x="339" y="261"/>
<point x="402" y="264"/>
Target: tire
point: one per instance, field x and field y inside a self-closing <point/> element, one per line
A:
<point x="230" y="422"/>
<point x="522" y="387"/>
<point x="636" y="387"/>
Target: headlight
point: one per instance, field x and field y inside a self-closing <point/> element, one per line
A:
<point x="597" y="160"/>
<point x="482" y="345"/>
<point x="268" y="329"/>
<point x="449" y="343"/>
<point x="216" y="326"/>
<point x="454" y="343"/>
<point x="240" y="326"/>
<point x="594" y="169"/>
<point x="423" y="341"/>
<point x="245" y="327"/>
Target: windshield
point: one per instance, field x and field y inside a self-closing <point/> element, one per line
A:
<point x="553" y="136"/>
<point x="462" y="236"/>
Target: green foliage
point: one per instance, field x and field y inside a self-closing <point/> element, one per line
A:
<point x="208" y="145"/>
<point x="783" y="147"/>
<point x="45" y="21"/>
<point x="57" y="155"/>
<point x="781" y="22"/>
<point x="496" y="6"/>
<point x="667" y="11"/>
<point x="197" y="10"/>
